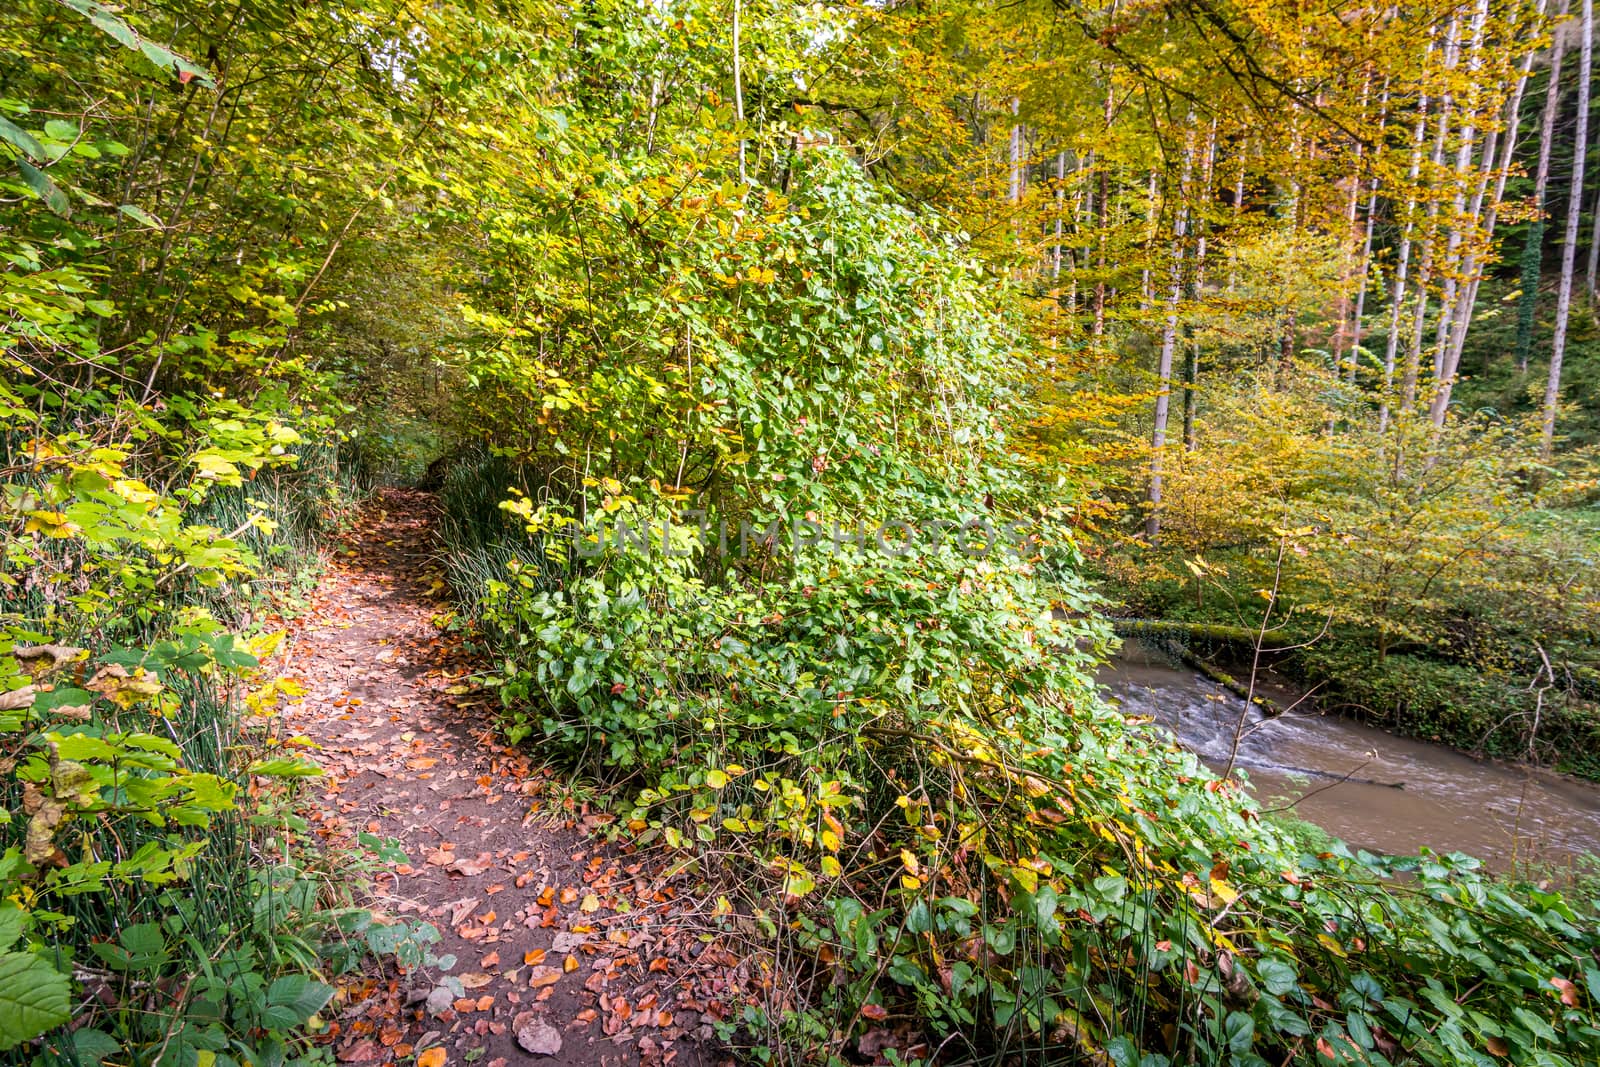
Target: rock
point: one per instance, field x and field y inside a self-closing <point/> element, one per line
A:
<point x="440" y="1000"/>
<point x="539" y="1038"/>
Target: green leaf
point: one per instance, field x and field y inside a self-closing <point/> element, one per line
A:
<point x="21" y="139"/>
<point x="105" y="21"/>
<point x="94" y="1046"/>
<point x="139" y="214"/>
<point x="283" y="767"/>
<point x="34" y="997"/>
<point x="10" y="924"/>
<point x="1276" y="975"/>
<point x="293" y="999"/>
<point x="1240" y="1030"/>
<point x="44" y="188"/>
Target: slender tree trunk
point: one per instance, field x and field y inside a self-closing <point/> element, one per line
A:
<point x="1594" y="250"/>
<point x="1288" y="318"/>
<point x="1100" y="227"/>
<point x="1408" y="390"/>
<point x="1402" y="261"/>
<point x="1533" y="250"/>
<point x="1169" y="339"/>
<point x="1491" y="215"/>
<point x="1197" y="281"/>
<point x="1150" y="246"/>
<point x="1569" y="250"/>
<point x="1365" y="266"/>
<point x="738" y="93"/>
<point x="1015" y="191"/>
<point x="1460" y="221"/>
<point x="1061" y="193"/>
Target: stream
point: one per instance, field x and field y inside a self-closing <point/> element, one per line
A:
<point x="1401" y="794"/>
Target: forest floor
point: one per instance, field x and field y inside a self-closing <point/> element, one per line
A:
<point x="569" y="951"/>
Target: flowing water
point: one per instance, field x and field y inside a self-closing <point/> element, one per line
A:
<point x="1400" y="794"/>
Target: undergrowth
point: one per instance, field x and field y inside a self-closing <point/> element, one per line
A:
<point x="884" y="742"/>
<point x="164" y="903"/>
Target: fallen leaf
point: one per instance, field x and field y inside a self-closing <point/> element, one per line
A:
<point x="539" y="1038"/>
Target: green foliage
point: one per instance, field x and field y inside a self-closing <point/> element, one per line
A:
<point x="899" y="753"/>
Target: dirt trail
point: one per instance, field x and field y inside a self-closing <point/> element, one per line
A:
<point x="567" y="952"/>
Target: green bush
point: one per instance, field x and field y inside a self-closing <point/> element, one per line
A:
<point x="896" y="760"/>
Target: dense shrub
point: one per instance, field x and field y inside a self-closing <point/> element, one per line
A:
<point x="895" y="757"/>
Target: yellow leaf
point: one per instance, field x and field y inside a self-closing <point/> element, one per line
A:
<point x="831" y="867"/>
<point x="1331" y="944"/>
<point x="909" y="858"/>
<point x="716" y="779"/>
<point x="590" y="903"/>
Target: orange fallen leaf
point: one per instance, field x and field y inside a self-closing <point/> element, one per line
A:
<point x="568" y="895"/>
<point x="533" y="956"/>
<point x="570" y="965"/>
<point x="434" y="1057"/>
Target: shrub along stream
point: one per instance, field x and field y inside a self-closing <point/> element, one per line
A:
<point x="885" y="755"/>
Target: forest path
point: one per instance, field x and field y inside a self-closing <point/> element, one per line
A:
<point x="567" y="951"/>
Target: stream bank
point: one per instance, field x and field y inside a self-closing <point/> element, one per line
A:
<point x="1373" y="789"/>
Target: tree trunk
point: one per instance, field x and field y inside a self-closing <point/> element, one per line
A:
<point x="1460" y="220"/>
<point x="1015" y="191"/>
<point x="1169" y="338"/>
<point x="1569" y="250"/>
<point x="1594" y="250"/>
<point x="1402" y="262"/>
<point x="1532" y="252"/>
<point x="1408" y="390"/>
<point x="1471" y="272"/>
<point x="1197" y="281"/>
<point x="1100" y="226"/>
<point x="738" y="93"/>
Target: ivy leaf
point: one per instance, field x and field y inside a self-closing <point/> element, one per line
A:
<point x="34" y="997"/>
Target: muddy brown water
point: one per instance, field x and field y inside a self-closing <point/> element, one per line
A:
<point x="1401" y="794"/>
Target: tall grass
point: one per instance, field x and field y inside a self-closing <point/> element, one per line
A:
<point x="248" y="903"/>
<point x="478" y="541"/>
